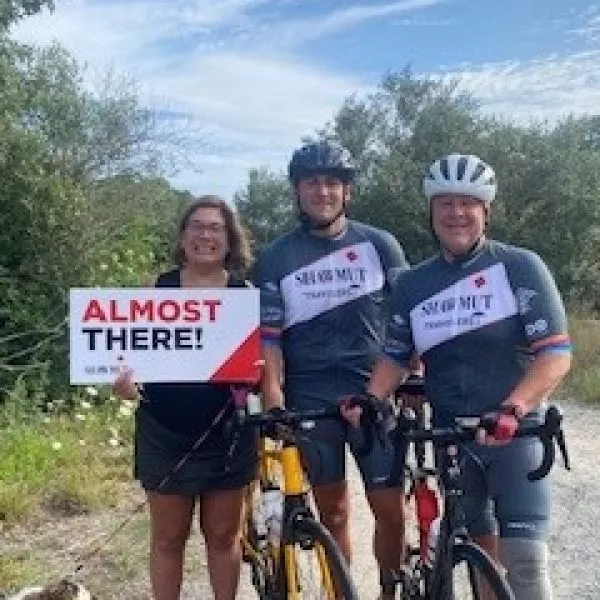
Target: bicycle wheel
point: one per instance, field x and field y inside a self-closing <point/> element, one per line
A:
<point x="474" y="576"/>
<point x="315" y="566"/>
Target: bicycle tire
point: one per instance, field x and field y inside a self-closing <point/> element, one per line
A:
<point x="480" y="567"/>
<point x="310" y="538"/>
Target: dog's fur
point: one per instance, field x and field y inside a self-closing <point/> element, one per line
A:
<point x="63" y="590"/>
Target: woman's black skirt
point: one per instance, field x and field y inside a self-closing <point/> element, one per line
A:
<point x="159" y="450"/>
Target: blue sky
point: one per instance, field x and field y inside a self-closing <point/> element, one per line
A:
<point x="254" y="76"/>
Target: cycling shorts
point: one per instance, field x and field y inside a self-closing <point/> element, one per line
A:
<point x="323" y="450"/>
<point x="501" y="499"/>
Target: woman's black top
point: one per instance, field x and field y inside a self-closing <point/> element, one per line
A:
<point x="189" y="408"/>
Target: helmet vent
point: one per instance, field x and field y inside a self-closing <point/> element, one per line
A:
<point x="461" y="167"/>
<point x="479" y="169"/>
<point x="444" y="168"/>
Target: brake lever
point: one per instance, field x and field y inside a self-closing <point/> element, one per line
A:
<point x="554" y="420"/>
<point x="562" y="446"/>
<point x="551" y="430"/>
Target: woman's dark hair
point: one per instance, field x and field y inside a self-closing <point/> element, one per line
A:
<point x="239" y="257"/>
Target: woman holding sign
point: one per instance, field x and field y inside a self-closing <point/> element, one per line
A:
<point x="212" y="251"/>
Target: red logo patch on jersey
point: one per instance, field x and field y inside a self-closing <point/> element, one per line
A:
<point x="480" y="281"/>
<point x="351" y="255"/>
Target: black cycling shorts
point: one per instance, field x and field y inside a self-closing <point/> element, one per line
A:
<point x="323" y="450"/>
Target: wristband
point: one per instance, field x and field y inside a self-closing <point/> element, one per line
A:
<point x="514" y="410"/>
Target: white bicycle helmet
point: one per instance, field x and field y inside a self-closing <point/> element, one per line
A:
<point x="460" y="174"/>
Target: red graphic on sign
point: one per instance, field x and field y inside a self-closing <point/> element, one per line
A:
<point x="351" y="255"/>
<point x="244" y="364"/>
<point x="480" y="281"/>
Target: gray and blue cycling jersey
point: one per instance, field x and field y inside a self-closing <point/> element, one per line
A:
<point x="326" y="301"/>
<point x="476" y="324"/>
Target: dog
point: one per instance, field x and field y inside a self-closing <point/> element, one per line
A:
<point x="63" y="590"/>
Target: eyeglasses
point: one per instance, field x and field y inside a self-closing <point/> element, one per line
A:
<point x="206" y="228"/>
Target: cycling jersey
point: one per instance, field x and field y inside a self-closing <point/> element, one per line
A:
<point x="325" y="301"/>
<point x="476" y="323"/>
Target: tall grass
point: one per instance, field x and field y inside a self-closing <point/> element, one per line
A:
<point x="583" y="382"/>
<point x="62" y="461"/>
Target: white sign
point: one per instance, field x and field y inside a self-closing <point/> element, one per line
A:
<point x="164" y="334"/>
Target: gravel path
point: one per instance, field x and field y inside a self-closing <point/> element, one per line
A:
<point x="575" y="539"/>
<point x="575" y="543"/>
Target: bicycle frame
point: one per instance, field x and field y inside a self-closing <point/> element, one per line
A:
<point x="452" y="525"/>
<point x="280" y="465"/>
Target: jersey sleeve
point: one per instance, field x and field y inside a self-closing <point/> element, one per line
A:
<point x="272" y="309"/>
<point x="540" y="305"/>
<point x="399" y="344"/>
<point x="392" y="257"/>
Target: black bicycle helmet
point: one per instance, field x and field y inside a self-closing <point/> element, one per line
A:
<point x="322" y="157"/>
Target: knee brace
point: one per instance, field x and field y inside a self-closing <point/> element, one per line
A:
<point x="526" y="563"/>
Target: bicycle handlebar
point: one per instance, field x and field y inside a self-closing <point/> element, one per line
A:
<point x="293" y="419"/>
<point x="548" y="431"/>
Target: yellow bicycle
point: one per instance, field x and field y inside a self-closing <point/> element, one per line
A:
<point x="292" y="556"/>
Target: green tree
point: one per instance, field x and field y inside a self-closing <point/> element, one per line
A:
<point x="14" y="10"/>
<point x="401" y="128"/>
<point x="266" y="206"/>
<point x="549" y="174"/>
<point x="80" y="201"/>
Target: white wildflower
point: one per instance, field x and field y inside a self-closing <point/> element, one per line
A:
<point x="91" y="391"/>
<point x="125" y="411"/>
<point x="85" y="405"/>
<point x="80" y="417"/>
<point x="56" y="445"/>
<point x="113" y="442"/>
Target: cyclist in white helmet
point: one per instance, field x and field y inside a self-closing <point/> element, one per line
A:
<point x="489" y="324"/>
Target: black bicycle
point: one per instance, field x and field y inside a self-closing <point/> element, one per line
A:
<point x="454" y="552"/>
<point x="455" y="566"/>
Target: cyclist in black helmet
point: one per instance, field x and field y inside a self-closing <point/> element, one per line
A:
<point x="324" y="293"/>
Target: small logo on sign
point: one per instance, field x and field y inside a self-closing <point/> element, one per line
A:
<point x="351" y="255"/>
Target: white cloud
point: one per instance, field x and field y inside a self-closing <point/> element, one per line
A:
<point x="544" y="88"/>
<point x="259" y="108"/>
<point x="296" y="32"/>
<point x="132" y="31"/>
<point x="589" y="31"/>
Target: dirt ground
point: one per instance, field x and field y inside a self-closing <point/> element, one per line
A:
<point x="119" y="570"/>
